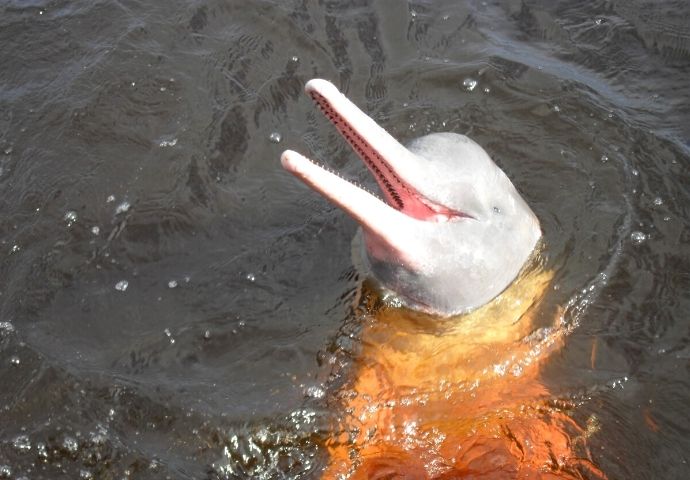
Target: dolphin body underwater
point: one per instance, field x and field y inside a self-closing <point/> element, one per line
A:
<point x="447" y="387"/>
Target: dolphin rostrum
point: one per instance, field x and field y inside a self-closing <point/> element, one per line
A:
<point x="452" y="233"/>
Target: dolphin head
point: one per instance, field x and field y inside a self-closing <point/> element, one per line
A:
<point x="451" y="232"/>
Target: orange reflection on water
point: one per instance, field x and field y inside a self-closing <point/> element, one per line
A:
<point x="458" y="398"/>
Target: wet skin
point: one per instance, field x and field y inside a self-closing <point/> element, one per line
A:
<point x="453" y="391"/>
<point x="451" y="232"/>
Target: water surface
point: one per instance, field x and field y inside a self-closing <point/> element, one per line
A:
<point x="174" y="305"/>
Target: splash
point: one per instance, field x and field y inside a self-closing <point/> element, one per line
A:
<point x="431" y="399"/>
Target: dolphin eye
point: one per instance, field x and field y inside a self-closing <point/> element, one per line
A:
<point x="497" y="210"/>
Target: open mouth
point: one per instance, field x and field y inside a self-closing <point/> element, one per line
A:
<point x="386" y="158"/>
<point x="398" y="194"/>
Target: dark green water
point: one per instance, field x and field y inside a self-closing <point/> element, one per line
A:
<point x="174" y="305"/>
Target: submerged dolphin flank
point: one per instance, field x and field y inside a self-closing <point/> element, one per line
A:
<point x="452" y="233"/>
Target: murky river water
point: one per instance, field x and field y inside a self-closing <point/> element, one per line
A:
<point x="174" y="305"/>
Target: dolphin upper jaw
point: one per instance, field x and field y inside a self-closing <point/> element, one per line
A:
<point x="452" y="232"/>
<point x="387" y="159"/>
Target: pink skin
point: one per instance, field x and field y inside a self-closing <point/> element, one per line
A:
<point x="400" y="195"/>
<point x="404" y="208"/>
<point x="451" y="231"/>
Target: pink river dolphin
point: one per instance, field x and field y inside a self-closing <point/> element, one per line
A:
<point x="451" y="232"/>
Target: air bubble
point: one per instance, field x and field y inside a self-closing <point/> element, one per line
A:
<point x="251" y="277"/>
<point x="410" y="428"/>
<point x="42" y="450"/>
<point x="172" y="284"/>
<point x="469" y="84"/>
<point x="500" y="369"/>
<point x="315" y="392"/>
<point x="70" y="217"/>
<point x="6" y="328"/>
<point x="111" y="198"/>
<point x="167" y="142"/>
<point x="658" y="201"/>
<point x="275" y="137"/>
<point x="638" y="237"/>
<point x="122" y="285"/>
<point x="98" y="438"/>
<point x="123" y="207"/>
<point x="604" y="158"/>
<point x="22" y="443"/>
<point x="15" y="361"/>
<point x="70" y="444"/>
<point x="168" y="334"/>
<point x="95" y="230"/>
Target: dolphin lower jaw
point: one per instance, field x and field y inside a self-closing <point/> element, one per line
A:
<point x="394" y="234"/>
<point x="420" y="289"/>
<point x="454" y="269"/>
